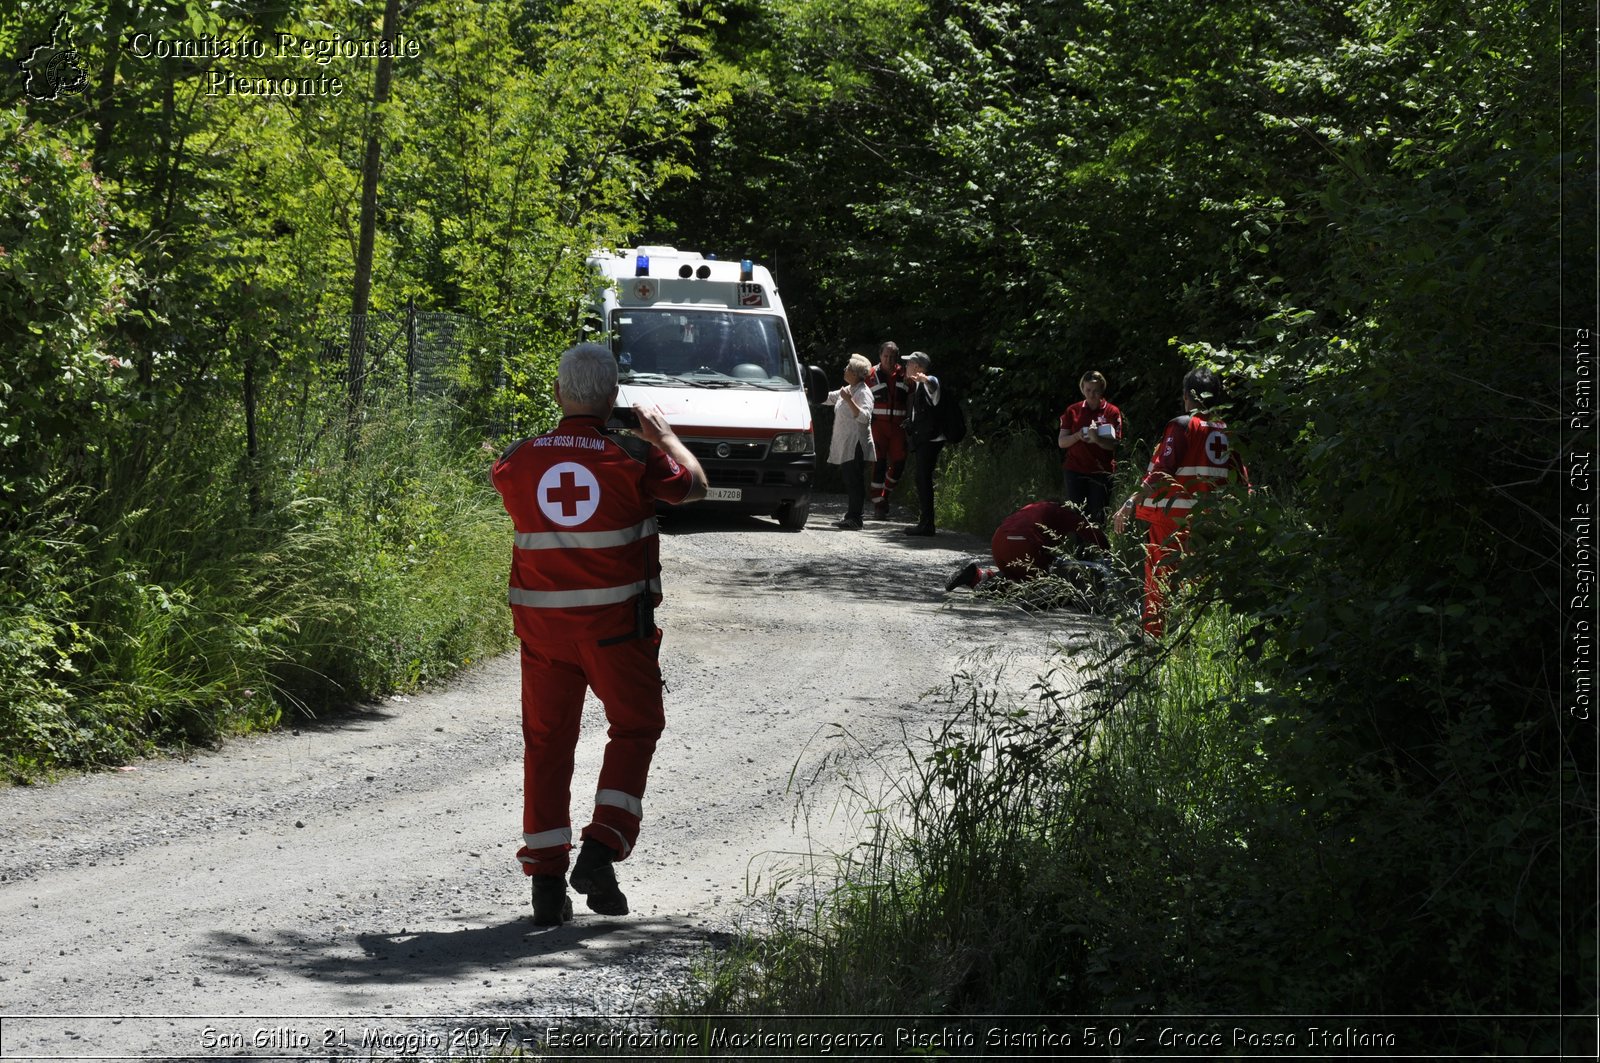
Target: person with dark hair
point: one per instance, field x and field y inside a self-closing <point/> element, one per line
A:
<point x="891" y="399"/>
<point x="1090" y="432"/>
<point x="924" y="435"/>
<point x="1027" y="543"/>
<point x="585" y="580"/>
<point x="1193" y="457"/>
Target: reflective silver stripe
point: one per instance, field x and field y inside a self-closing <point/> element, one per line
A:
<point x="573" y="599"/>
<point x="622" y="845"/>
<point x="546" y="839"/>
<point x="618" y="799"/>
<point x="567" y="540"/>
<point x="877" y="412"/>
<point x="1210" y="472"/>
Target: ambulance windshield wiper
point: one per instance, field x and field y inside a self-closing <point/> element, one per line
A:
<point x="714" y="382"/>
<point x="652" y="379"/>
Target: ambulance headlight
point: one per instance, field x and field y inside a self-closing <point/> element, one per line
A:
<point x="794" y="443"/>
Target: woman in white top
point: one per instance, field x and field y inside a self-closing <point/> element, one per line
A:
<point x="852" y="447"/>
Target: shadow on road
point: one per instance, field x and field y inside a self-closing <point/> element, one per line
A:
<point x="403" y="957"/>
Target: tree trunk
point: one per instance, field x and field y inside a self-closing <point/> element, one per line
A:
<point x="369" y="205"/>
<point x="119" y="17"/>
<point x="252" y="449"/>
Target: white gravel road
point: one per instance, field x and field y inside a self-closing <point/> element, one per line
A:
<point x="338" y="889"/>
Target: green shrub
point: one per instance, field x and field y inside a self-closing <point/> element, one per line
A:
<point x="1172" y="836"/>
<point x="981" y="483"/>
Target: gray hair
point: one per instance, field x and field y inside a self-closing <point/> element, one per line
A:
<point x="860" y="364"/>
<point x="921" y="358"/>
<point x="587" y="374"/>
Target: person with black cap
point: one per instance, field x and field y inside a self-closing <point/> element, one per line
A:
<point x="923" y="432"/>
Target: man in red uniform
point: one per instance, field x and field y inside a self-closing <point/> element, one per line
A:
<point x="585" y="578"/>
<point x="891" y="399"/>
<point x="1090" y="432"/>
<point x="1028" y="541"/>
<point x="1192" y="458"/>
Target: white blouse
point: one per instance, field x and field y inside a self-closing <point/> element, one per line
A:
<point x="851" y="427"/>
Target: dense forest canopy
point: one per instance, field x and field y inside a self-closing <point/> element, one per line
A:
<point x="222" y="498"/>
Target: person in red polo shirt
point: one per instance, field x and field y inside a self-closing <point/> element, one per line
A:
<point x="585" y="579"/>
<point x="1090" y="432"/>
<point x="1194" y="456"/>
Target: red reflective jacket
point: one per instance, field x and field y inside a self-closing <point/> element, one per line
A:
<point x="586" y="543"/>
<point x="1193" y="457"/>
<point x="891" y="400"/>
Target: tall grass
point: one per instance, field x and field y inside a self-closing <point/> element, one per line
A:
<point x="980" y="484"/>
<point x="1139" y="839"/>
<point x="416" y="558"/>
<point x="180" y="611"/>
<point x="1022" y="842"/>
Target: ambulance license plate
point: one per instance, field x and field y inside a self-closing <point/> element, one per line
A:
<point x="724" y="494"/>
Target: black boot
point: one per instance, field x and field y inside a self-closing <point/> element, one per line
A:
<point x="595" y="878"/>
<point x="966" y="577"/>
<point x="551" y="905"/>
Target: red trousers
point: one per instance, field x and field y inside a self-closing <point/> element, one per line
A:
<point x="626" y="677"/>
<point x="1161" y="553"/>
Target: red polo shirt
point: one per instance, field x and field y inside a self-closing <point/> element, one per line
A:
<point x="1090" y="457"/>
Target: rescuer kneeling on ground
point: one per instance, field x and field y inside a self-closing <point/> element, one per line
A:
<point x="1031" y="542"/>
<point x="585" y="580"/>
<point x="1192" y="458"/>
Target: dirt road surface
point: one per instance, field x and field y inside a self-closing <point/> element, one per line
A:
<point x="339" y="889"/>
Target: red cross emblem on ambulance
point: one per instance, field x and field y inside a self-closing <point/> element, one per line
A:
<point x="568" y="494"/>
<point x="644" y="290"/>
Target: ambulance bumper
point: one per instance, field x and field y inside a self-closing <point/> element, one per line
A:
<point x="758" y="487"/>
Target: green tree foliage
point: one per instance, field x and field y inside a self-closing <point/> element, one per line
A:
<point x="1351" y="211"/>
<point x="176" y="269"/>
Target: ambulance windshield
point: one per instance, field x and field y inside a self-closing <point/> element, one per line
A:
<point x="703" y="348"/>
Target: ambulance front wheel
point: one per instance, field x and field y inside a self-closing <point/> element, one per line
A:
<point x="792" y="515"/>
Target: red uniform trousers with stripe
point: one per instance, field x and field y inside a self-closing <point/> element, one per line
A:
<point x="1166" y="544"/>
<point x="889" y="440"/>
<point x="626" y="677"/>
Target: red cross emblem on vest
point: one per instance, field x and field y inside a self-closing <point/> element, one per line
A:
<point x="568" y="494"/>
<point x="1217" y="448"/>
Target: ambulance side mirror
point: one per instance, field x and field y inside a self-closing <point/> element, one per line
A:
<point x="816" y="385"/>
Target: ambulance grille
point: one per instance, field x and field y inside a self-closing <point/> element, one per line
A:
<point x="726" y="477"/>
<point x="738" y="450"/>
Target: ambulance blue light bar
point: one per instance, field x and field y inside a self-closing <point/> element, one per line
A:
<point x="745" y="270"/>
<point x="641" y="266"/>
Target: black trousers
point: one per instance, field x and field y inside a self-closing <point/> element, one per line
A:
<point x="927" y="461"/>
<point x="1091" y="491"/>
<point x="855" y="488"/>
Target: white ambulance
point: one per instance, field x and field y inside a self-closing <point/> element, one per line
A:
<point x="707" y="342"/>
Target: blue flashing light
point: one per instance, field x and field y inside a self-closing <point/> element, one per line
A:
<point x="641" y="266"/>
<point x="745" y="270"/>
